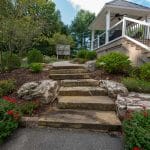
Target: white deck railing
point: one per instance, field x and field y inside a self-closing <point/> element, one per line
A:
<point x="134" y="30"/>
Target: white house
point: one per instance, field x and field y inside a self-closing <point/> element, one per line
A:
<point x="126" y="27"/>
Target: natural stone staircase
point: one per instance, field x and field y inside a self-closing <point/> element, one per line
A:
<point x="82" y="103"/>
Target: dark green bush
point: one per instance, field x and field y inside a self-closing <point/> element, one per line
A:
<point x="136" y="129"/>
<point x="6" y="87"/>
<point x="36" y="67"/>
<point x="114" y="63"/>
<point x="35" y="56"/>
<point x="10" y="61"/>
<point x="91" y="55"/>
<point x="8" y="120"/>
<point x="28" y="108"/>
<point x="145" y="71"/>
<point x="136" y="85"/>
<point x="82" y="54"/>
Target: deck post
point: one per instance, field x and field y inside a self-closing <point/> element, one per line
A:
<point x="107" y="26"/>
<point x="92" y="39"/>
<point x="148" y="29"/>
<point x="124" y="27"/>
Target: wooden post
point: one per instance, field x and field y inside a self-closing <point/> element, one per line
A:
<point x="107" y="26"/>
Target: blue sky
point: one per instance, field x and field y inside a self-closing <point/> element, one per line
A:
<point x="69" y="8"/>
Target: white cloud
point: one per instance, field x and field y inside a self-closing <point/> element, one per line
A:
<point x="91" y="5"/>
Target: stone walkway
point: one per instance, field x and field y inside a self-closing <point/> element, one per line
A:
<point x="58" y="139"/>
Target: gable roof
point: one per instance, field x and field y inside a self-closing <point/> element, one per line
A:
<point x="124" y="3"/>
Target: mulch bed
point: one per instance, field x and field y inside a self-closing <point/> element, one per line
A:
<point x="22" y="76"/>
<point x="103" y="75"/>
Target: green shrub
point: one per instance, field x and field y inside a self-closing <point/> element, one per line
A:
<point x="114" y="63"/>
<point x="145" y="71"/>
<point x="82" y="54"/>
<point x="8" y="119"/>
<point x="35" y="56"/>
<point x="6" y="87"/>
<point x="36" y="67"/>
<point x="10" y="61"/>
<point x="91" y="55"/>
<point x="137" y="85"/>
<point x="137" y="130"/>
<point x="28" y="108"/>
<point x="51" y="59"/>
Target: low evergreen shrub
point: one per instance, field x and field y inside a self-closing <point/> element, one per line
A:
<point x="114" y="62"/>
<point x="6" y="87"/>
<point x="10" y="61"/>
<point x="36" y="67"/>
<point x="136" y="85"/>
<point x="91" y="55"/>
<point x="35" y="56"/>
<point x="145" y="71"/>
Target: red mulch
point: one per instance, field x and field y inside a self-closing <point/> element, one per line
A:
<point x="22" y="76"/>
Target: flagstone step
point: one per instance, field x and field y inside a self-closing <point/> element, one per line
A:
<point x="69" y="76"/>
<point x="80" y="82"/>
<point x="81" y="119"/>
<point x="102" y="103"/>
<point x="68" y="71"/>
<point x="82" y="91"/>
<point x="68" y="67"/>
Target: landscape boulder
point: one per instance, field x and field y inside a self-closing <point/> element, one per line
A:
<point x="132" y="102"/>
<point x="90" y="65"/>
<point x="46" y="91"/>
<point x="114" y="88"/>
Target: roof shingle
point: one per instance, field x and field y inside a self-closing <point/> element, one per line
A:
<point x="124" y="3"/>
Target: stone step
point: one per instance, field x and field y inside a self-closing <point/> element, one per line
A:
<point x="68" y="67"/>
<point x="68" y="71"/>
<point x="79" y="119"/>
<point x="102" y="103"/>
<point x="69" y="76"/>
<point x="80" y="82"/>
<point x="82" y="91"/>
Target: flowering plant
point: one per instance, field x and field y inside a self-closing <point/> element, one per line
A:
<point x="136" y="128"/>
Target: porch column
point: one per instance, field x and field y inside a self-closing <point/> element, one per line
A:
<point x="92" y="39"/>
<point x="107" y="26"/>
<point x="148" y="29"/>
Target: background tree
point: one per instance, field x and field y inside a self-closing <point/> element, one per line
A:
<point x="79" y="26"/>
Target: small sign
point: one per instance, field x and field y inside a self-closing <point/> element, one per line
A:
<point x="63" y="50"/>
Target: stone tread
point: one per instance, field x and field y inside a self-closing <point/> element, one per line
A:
<point x="69" y="76"/>
<point x="90" y="119"/>
<point x="82" y="91"/>
<point x="86" y="99"/>
<point x="68" y="67"/>
<point x="80" y="82"/>
<point x="66" y="71"/>
<point x="103" y="103"/>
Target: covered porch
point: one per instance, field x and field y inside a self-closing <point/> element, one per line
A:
<point x="121" y="19"/>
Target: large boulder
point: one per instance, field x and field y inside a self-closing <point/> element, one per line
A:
<point x="114" y="88"/>
<point x="90" y="65"/>
<point x="132" y="102"/>
<point x="46" y="91"/>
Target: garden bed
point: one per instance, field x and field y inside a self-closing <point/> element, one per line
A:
<point x="103" y="75"/>
<point x="22" y="76"/>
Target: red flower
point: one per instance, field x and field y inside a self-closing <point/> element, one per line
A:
<point x="136" y="148"/>
<point x="10" y="112"/>
<point x="9" y="99"/>
<point x="15" y="115"/>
